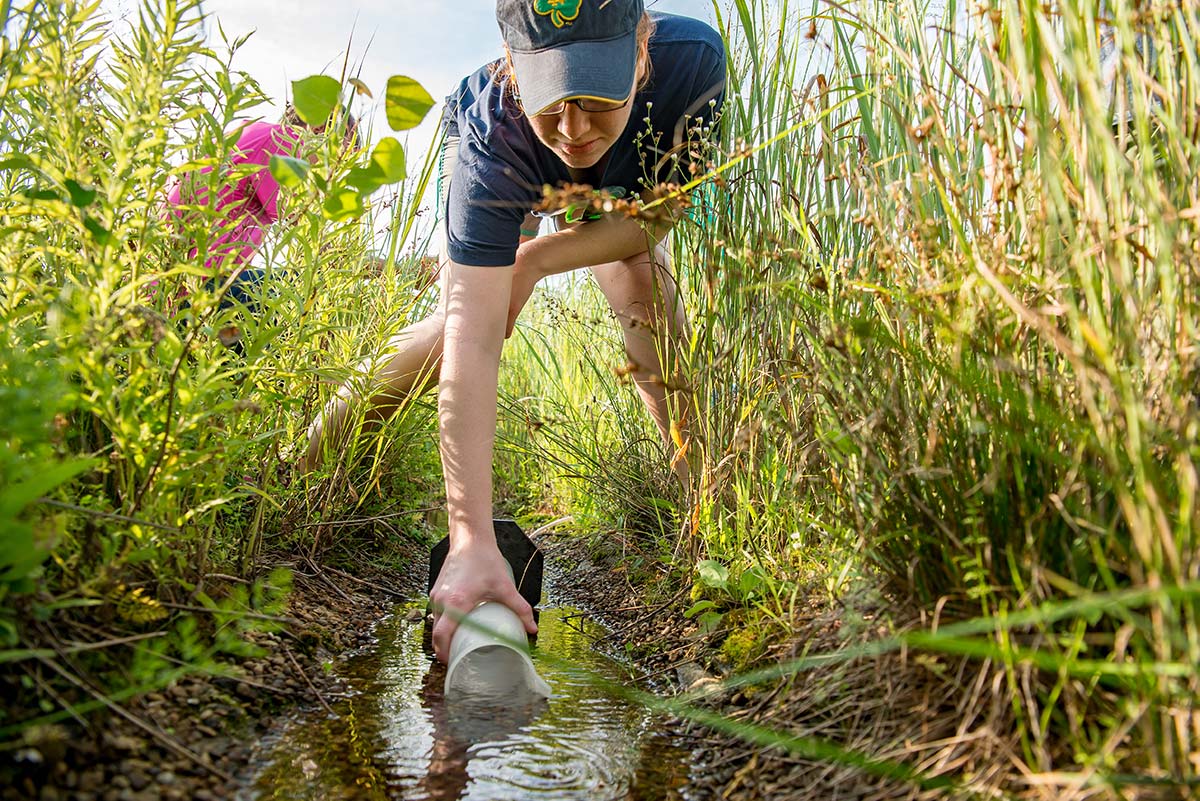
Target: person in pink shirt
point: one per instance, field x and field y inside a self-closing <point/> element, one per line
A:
<point x="246" y="208"/>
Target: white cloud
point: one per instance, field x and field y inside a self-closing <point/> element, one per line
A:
<point x="436" y="43"/>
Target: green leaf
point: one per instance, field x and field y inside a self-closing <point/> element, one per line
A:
<point x="18" y="162"/>
<point x="42" y="194"/>
<point x="343" y="204"/>
<point x="17" y="496"/>
<point x="315" y="98"/>
<point x="388" y="155"/>
<point x="80" y="195"/>
<point x="365" y="179"/>
<point x="98" y="231"/>
<point x="712" y="573"/>
<point x="19" y="557"/>
<point x="698" y="607"/>
<point x="385" y="167"/>
<point x="406" y="103"/>
<point x="288" y="171"/>
<point x="751" y="581"/>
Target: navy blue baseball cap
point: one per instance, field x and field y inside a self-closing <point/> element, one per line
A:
<point x="570" y="48"/>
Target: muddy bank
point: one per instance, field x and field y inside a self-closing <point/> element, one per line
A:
<point x="194" y="738"/>
<point x="895" y="708"/>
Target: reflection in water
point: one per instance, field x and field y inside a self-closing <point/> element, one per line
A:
<point x="398" y="738"/>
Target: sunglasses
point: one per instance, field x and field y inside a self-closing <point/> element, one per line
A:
<point x="592" y="105"/>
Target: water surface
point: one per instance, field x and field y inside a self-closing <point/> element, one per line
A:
<point x="396" y="737"/>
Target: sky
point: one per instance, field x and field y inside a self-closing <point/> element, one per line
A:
<point x="436" y="43"/>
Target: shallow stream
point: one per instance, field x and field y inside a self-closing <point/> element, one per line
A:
<point x="395" y="738"/>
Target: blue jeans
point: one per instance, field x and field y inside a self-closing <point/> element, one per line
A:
<point x="246" y="290"/>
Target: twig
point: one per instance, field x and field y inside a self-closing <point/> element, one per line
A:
<point x="304" y="676"/>
<point x="651" y="611"/>
<point x="75" y="648"/>
<point x="169" y="416"/>
<point x="37" y="653"/>
<point x="162" y="737"/>
<point x="376" y="519"/>
<point x="108" y="515"/>
<point x="318" y="574"/>
<point x="366" y="583"/>
<point x="227" y="577"/>
<point x="58" y="699"/>
<point x="291" y="621"/>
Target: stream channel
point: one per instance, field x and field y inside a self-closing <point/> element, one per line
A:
<point x="395" y="738"/>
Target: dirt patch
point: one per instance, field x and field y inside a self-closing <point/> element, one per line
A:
<point x="194" y="738"/>
<point x="928" y="712"/>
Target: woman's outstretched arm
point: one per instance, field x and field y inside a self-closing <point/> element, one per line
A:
<point x="474" y="571"/>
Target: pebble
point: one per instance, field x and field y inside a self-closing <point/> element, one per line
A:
<point x="216" y="746"/>
<point x="166" y="777"/>
<point x="90" y="780"/>
<point x="138" y="778"/>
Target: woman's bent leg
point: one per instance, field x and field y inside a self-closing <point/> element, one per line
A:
<point x="643" y="295"/>
<point x="407" y="367"/>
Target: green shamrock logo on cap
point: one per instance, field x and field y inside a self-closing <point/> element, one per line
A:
<point x="559" y="11"/>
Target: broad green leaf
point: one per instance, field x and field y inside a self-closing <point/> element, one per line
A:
<point x="42" y="194"/>
<point x="385" y="167"/>
<point x="98" y="231"/>
<point x="80" y="195"/>
<point x="19" y="554"/>
<point x="751" y="581"/>
<point x="343" y="204"/>
<point x="388" y="155"/>
<point x="18" y="162"/>
<point x="315" y="98"/>
<point x="17" y="496"/>
<point x="712" y="573"/>
<point x="288" y="171"/>
<point x="698" y="607"/>
<point x="407" y="103"/>
<point x="365" y="179"/>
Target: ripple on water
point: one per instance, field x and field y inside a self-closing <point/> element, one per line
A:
<point x="396" y="738"/>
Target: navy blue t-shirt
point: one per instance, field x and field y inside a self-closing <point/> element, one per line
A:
<point x="502" y="165"/>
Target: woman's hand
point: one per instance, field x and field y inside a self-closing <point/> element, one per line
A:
<point x="471" y="575"/>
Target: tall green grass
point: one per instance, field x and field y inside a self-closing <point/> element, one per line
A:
<point x="944" y="324"/>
